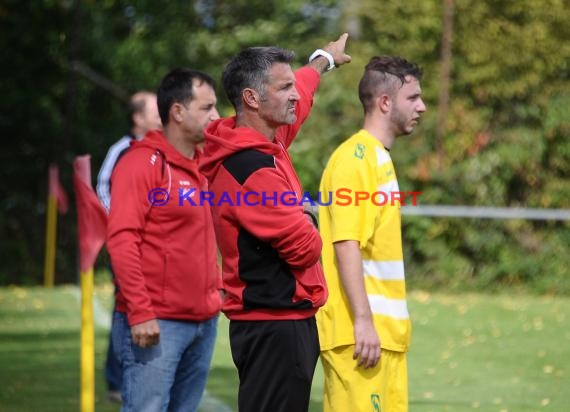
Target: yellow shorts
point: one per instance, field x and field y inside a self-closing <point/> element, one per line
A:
<point x="349" y="388"/>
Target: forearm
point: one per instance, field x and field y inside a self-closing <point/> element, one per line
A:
<point x="288" y="231"/>
<point x="320" y="64"/>
<point x="124" y="250"/>
<point x="284" y="227"/>
<point x="366" y="339"/>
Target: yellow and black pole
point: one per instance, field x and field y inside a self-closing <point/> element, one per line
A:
<point x="92" y="221"/>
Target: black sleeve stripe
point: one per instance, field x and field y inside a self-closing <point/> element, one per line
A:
<point x="243" y="164"/>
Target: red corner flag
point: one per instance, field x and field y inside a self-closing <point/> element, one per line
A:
<point x="91" y="216"/>
<point x="56" y="190"/>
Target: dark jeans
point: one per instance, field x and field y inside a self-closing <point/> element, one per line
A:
<point x="113" y="372"/>
<point x="276" y="361"/>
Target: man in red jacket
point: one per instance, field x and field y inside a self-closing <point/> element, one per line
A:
<point x="273" y="280"/>
<point x="164" y="255"/>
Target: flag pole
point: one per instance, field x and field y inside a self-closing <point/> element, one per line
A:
<point x="51" y="228"/>
<point x="87" y="343"/>
<point x="92" y="220"/>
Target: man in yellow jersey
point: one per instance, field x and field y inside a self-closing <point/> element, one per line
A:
<point x="366" y="314"/>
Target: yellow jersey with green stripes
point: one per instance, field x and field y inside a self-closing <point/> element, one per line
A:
<point x="360" y="166"/>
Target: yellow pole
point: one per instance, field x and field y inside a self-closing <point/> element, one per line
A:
<point x="87" y="343"/>
<point x="51" y="227"/>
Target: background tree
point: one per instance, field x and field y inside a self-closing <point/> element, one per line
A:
<point x="68" y="65"/>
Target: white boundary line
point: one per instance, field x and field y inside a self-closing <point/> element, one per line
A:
<point x="103" y="320"/>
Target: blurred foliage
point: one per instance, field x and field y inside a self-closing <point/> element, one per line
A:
<point x="506" y="134"/>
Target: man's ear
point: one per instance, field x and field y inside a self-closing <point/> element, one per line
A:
<point x="384" y="103"/>
<point x="138" y="119"/>
<point x="250" y="98"/>
<point x="176" y="112"/>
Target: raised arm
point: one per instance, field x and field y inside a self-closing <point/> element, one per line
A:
<point x="330" y="56"/>
<point x="307" y="82"/>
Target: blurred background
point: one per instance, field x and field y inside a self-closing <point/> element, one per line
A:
<point x="496" y="83"/>
<point x="496" y="133"/>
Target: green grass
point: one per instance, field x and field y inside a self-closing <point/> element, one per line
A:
<point x="473" y="352"/>
<point x="489" y="353"/>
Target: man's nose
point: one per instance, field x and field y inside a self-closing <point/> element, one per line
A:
<point x="422" y="108"/>
<point x="295" y="96"/>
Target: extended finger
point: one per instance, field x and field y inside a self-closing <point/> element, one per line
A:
<point x="342" y="39"/>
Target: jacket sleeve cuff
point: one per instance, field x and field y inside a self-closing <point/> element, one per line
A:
<point x="136" y="318"/>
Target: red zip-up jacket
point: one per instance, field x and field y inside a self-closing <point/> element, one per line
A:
<point x="270" y="250"/>
<point x="163" y="256"/>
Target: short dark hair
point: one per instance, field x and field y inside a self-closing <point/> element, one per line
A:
<point x="384" y="74"/>
<point x="176" y="87"/>
<point x="137" y="104"/>
<point x="249" y="69"/>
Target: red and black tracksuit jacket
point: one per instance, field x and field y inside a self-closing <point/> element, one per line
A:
<point x="270" y="249"/>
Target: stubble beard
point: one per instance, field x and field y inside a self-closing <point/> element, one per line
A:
<point x="401" y="123"/>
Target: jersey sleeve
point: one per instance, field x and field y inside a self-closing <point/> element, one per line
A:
<point x="104" y="177"/>
<point x="348" y="178"/>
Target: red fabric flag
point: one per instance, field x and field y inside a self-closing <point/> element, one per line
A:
<point x="91" y="216"/>
<point x="56" y="190"/>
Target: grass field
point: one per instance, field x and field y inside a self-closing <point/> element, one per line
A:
<point x="500" y="353"/>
